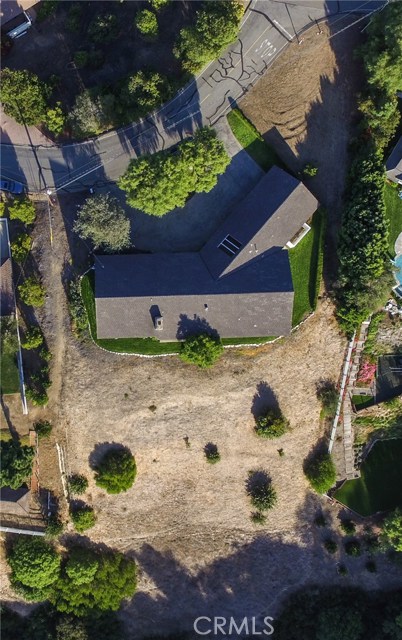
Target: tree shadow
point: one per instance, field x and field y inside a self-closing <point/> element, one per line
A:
<point x="101" y="449"/>
<point x="264" y="399"/>
<point x="194" y="326"/>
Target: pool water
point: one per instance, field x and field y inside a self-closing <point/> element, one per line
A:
<point x="398" y="264"/>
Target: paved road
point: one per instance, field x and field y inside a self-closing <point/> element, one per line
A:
<point x="268" y="26"/>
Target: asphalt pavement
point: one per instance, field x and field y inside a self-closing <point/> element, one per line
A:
<point x="267" y="28"/>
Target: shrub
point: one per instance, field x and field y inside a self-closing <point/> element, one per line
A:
<point x="34" y="562"/>
<point x="330" y="546"/>
<point x="22" y="209"/>
<point x="310" y="170"/>
<point x="33" y="338"/>
<point x="272" y="425"/>
<point x="320" y="521"/>
<point x="342" y="570"/>
<point x="23" y="96"/>
<point x="54" y="527"/>
<point x="39" y="398"/>
<point x="21" y="247"/>
<point x="348" y="526"/>
<point x="76" y="307"/>
<point x="90" y="115"/>
<point x="211" y="453"/>
<point x="392" y="530"/>
<point x="32" y="292"/>
<point x="258" y="518"/>
<point x="102" y="220"/>
<point x="16" y="464"/>
<point x="55" y="119"/>
<point x="116" y="472"/>
<point x="78" y="484"/>
<point x="104" y="28"/>
<point x="146" y="23"/>
<point x="144" y="91"/>
<point x="45" y="9"/>
<point x="83" y="518"/>
<point x="203" y="350"/>
<point x="45" y="354"/>
<point x="74" y="18"/>
<point x="81" y="59"/>
<point x="259" y="487"/>
<point x="43" y="429"/>
<point x="320" y="471"/>
<point x="158" y="4"/>
<point x="216" y="26"/>
<point x="328" y="396"/>
<point x="163" y="181"/>
<point x="71" y="629"/>
<point x="352" y="548"/>
<point x="371" y="566"/>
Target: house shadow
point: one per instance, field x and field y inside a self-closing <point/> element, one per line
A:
<point x="194" y="326"/>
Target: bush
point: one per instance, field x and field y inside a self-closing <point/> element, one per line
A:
<point x="259" y="487"/>
<point x="146" y="23"/>
<point x="211" y="453"/>
<point x="81" y="59"/>
<point x="342" y="570"/>
<point x="371" y="566"/>
<point x="78" y="314"/>
<point x="55" y="119"/>
<point x="203" y="350"/>
<point x="328" y="396"/>
<point x="23" y="96"/>
<point x="320" y="471"/>
<point x="310" y="170"/>
<point x="16" y="464"/>
<point x="272" y="425"/>
<point x="33" y="338"/>
<point x="116" y="472"/>
<point x="144" y="91"/>
<point x="43" y="429"/>
<point x="45" y="9"/>
<point x="32" y="292"/>
<point x="320" y="521"/>
<point x="34" y="562"/>
<point x="39" y="398"/>
<point x="83" y="518"/>
<point x="158" y="4"/>
<point x="104" y="28"/>
<point x="258" y="518"/>
<point x="54" y="527"/>
<point x="22" y="209"/>
<point x="21" y="247"/>
<point x="91" y="114"/>
<point x="78" y="484"/>
<point x="74" y="18"/>
<point x="103" y="221"/>
<point x="392" y="530"/>
<point x="348" y="526"/>
<point x="330" y="546"/>
<point x="163" y="181"/>
<point x="216" y="26"/>
<point x="352" y="548"/>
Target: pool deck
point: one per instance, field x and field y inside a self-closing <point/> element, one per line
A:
<point x="398" y="245"/>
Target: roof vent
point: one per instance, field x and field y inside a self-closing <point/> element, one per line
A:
<point x="158" y="323"/>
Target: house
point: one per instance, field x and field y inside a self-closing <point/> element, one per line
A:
<point x="393" y="166"/>
<point x="239" y="285"/>
<point x="13" y="10"/>
<point x="7" y="301"/>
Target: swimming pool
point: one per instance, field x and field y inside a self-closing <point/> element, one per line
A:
<point x="398" y="265"/>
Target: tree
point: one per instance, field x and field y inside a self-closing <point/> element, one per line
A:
<point x="392" y="530"/>
<point x="22" y="209"/>
<point x="90" y="115"/>
<point x="158" y="4"/>
<point x="104" y="28"/>
<point x="16" y="464"/>
<point x="202" y="350"/>
<point x="339" y="623"/>
<point x="159" y="183"/>
<point x="34" y="562"/>
<point x="55" y="119"/>
<point x="145" y="90"/>
<point x="216" y="26"/>
<point x="32" y="292"/>
<point x="24" y="96"/>
<point x="116" y="471"/>
<point x="262" y="493"/>
<point x="146" y="23"/>
<point x="21" y="247"/>
<point x="43" y="429"/>
<point x="71" y="629"/>
<point x="102" y="220"/>
<point x="78" y="484"/>
<point x="83" y="518"/>
<point x="33" y="338"/>
<point x="82" y="565"/>
<point x="320" y="471"/>
<point x="272" y="425"/>
<point x="114" y="580"/>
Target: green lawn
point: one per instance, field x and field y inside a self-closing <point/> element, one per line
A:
<point x="362" y="402"/>
<point x="306" y="260"/>
<point x="144" y="346"/>
<point x="10" y="382"/>
<point x="252" y="141"/>
<point x="380" y="486"/>
<point x="393" y="205"/>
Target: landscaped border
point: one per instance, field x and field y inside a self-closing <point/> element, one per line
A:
<point x="145" y="347"/>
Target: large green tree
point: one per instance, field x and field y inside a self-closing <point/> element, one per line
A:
<point x="116" y="471"/>
<point x="34" y="563"/>
<point x="16" y="464"/>
<point x="24" y="96"/>
<point x="216" y="26"/>
<point x="102" y="220"/>
<point x="159" y="183"/>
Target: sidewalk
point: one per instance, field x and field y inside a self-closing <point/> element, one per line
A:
<point x="13" y="133"/>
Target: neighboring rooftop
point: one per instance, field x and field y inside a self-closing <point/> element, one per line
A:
<point x="393" y="166"/>
<point x="228" y="287"/>
<point x="10" y="9"/>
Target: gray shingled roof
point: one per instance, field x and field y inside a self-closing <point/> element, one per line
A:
<point x="393" y="165"/>
<point x="208" y="290"/>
